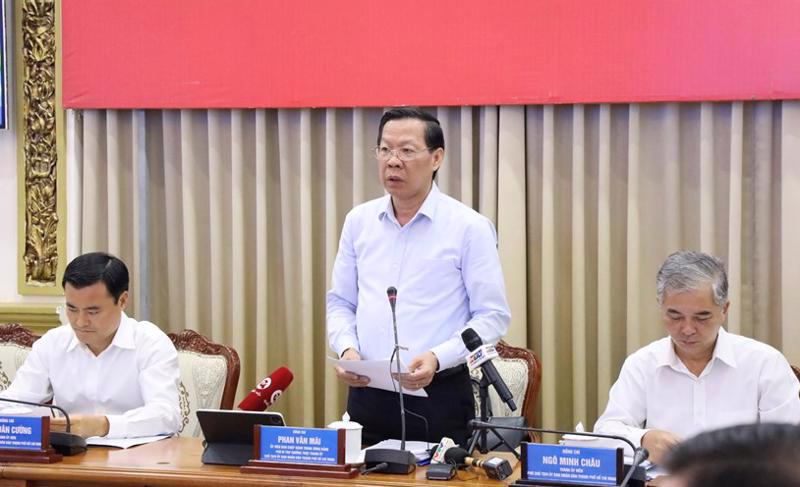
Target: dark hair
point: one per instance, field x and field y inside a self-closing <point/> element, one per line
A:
<point x="88" y="269"/>
<point x="740" y="456"/>
<point x="434" y="137"/>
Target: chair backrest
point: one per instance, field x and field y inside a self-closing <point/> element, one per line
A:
<point x="15" y="344"/>
<point x="209" y="376"/>
<point x="521" y="370"/>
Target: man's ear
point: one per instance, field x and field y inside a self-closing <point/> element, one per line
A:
<point x="122" y="301"/>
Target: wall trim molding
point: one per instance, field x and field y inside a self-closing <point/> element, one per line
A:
<point x="37" y="317"/>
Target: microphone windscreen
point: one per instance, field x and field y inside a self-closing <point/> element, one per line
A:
<point x="471" y="339"/>
<point x="267" y="391"/>
<point x="457" y="456"/>
<point x="391" y="292"/>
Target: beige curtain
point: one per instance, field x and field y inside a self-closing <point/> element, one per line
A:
<point x="230" y="220"/>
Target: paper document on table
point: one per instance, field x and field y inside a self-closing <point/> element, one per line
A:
<point x="378" y="373"/>
<point x="123" y="442"/>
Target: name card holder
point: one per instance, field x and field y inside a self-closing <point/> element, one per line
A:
<point x="304" y="452"/>
<point x="569" y="466"/>
<point x="26" y="439"/>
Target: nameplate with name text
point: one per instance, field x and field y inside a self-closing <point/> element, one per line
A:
<point x="561" y="464"/>
<point x="22" y="433"/>
<point x="286" y="444"/>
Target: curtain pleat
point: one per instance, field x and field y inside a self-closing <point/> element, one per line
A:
<point x="230" y="221"/>
<point x="788" y="258"/>
<point x="735" y="219"/>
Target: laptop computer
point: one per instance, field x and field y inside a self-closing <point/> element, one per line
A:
<point x="229" y="434"/>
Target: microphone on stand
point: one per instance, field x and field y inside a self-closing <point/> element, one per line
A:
<point x="63" y="442"/>
<point x="483" y="359"/>
<point x="385" y="460"/>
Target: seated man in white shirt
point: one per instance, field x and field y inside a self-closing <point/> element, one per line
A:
<point x="700" y="377"/>
<point x="116" y="377"/>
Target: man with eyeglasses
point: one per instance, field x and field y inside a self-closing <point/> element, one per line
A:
<point x="442" y="257"/>
<point x="700" y="377"/>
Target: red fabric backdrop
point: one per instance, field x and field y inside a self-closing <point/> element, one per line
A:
<point x="300" y="53"/>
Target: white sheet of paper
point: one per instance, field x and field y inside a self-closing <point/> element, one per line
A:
<point x="378" y="373"/>
<point x="123" y="442"/>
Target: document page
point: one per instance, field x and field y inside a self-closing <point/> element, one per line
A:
<point x="378" y="373"/>
<point x="123" y="442"/>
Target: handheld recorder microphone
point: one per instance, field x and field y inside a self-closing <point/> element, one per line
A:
<point x="473" y="343"/>
<point x="495" y="467"/>
<point x="267" y="391"/>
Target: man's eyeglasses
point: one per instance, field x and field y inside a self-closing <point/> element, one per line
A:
<point x="405" y="154"/>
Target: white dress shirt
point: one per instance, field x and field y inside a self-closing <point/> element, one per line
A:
<point x="746" y="381"/>
<point x="133" y="382"/>
<point x="445" y="266"/>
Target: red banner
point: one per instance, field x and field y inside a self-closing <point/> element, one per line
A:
<point x="307" y="53"/>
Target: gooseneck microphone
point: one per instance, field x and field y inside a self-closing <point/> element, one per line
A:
<point x="640" y="454"/>
<point x="391" y="293"/>
<point x="473" y="342"/>
<point x="385" y="460"/>
<point x="63" y="442"/>
<point x="267" y="391"/>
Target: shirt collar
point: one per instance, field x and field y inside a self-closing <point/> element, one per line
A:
<point x="723" y="350"/>
<point x="427" y="209"/>
<point x="123" y="338"/>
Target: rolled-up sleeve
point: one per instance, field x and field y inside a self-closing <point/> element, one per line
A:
<point x="159" y="377"/>
<point x="626" y="412"/>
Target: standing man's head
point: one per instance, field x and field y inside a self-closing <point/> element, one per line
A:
<point x="409" y="152"/>
<point x="96" y="290"/>
<point x="747" y="455"/>
<point x="692" y="291"/>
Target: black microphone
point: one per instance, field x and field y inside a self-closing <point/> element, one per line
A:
<point x="640" y="454"/>
<point x="495" y="467"/>
<point x="391" y="292"/>
<point x="65" y="443"/>
<point x="385" y="460"/>
<point x="473" y="341"/>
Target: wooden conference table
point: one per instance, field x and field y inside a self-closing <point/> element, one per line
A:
<point x="176" y="462"/>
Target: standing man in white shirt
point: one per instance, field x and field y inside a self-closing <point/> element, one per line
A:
<point x="700" y="377"/>
<point x="115" y="376"/>
<point x="442" y="257"/>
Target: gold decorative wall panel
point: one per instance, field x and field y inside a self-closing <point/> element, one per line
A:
<point x="40" y="148"/>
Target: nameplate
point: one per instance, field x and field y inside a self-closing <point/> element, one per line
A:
<point x="560" y="464"/>
<point x="286" y="444"/>
<point x="22" y="433"/>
